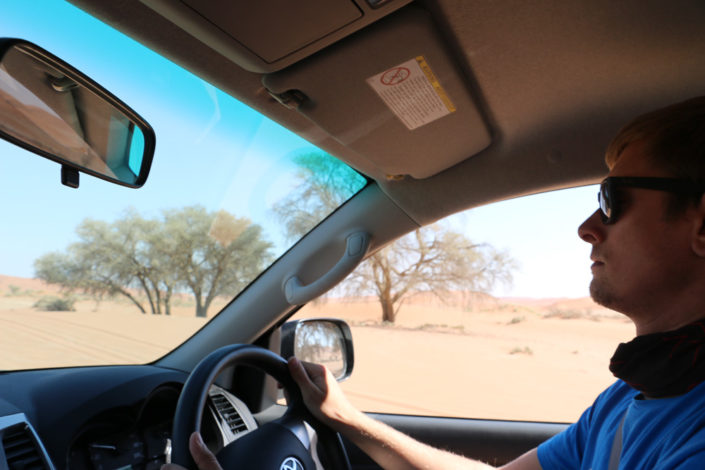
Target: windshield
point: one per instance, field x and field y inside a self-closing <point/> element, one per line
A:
<point x="104" y="274"/>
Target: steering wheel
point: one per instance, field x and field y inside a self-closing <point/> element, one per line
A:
<point x="271" y="446"/>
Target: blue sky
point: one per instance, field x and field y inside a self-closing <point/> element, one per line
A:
<point x="215" y="150"/>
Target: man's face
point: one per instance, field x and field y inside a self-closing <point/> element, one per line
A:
<point x="643" y="260"/>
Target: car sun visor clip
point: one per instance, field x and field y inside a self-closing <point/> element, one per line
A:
<point x="291" y="99"/>
<point x="356" y="247"/>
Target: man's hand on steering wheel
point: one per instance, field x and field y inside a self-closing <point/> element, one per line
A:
<point x="272" y="444"/>
<point x="321" y="394"/>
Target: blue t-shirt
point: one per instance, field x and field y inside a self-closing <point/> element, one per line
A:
<point x="665" y="433"/>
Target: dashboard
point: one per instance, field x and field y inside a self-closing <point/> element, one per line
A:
<point x="104" y="418"/>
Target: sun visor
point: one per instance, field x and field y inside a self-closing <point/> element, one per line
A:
<point x="391" y="93"/>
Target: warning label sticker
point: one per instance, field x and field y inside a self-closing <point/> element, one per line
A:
<point x="413" y="93"/>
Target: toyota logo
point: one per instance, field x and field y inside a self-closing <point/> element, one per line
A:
<point x="291" y="463"/>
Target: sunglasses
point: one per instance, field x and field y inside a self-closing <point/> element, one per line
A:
<point x="608" y="195"/>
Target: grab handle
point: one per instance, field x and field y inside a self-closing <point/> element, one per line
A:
<point x="356" y="246"/>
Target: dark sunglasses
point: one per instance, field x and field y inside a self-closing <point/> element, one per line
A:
<point x="609" y="202"/>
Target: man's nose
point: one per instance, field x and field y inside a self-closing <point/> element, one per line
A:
<point x="592" y="230"/>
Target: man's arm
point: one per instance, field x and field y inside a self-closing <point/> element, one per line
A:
<point x="390" y="448"/>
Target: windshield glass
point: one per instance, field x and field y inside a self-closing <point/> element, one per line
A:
<point x="104" y="274"/>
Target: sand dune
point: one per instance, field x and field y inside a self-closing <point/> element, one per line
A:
<point x="471" y="356"/>
<point x="533" y="360"/>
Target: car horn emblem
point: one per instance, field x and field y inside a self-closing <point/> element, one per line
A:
<point x="291" y="463"/>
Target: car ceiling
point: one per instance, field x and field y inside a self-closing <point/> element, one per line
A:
<point x="541" y="86"/>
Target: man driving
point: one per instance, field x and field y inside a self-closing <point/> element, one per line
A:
<point x="648" y="253"/>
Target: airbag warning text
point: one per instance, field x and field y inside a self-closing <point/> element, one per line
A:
<point x="412" y="93"/>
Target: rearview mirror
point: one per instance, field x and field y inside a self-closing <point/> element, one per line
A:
<point x="324" y="341"/>
<point x="53" y="110"/>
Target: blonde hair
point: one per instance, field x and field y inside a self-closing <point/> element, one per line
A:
<point x="674" y="138"/>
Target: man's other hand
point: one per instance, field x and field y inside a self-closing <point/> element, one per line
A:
<point x="204" y="458"/>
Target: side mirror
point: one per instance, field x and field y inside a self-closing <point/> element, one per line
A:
<point x="326" y="341"/>
<point x="50" y="108"/>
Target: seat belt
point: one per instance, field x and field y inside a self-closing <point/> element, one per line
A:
<point x="617" y="446"/>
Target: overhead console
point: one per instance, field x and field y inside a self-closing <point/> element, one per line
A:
<point x="268" y="36"/>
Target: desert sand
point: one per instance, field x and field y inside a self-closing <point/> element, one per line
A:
<point x="525" y="359"/>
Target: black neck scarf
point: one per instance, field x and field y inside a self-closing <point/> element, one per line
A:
<point x="663" y="364"/>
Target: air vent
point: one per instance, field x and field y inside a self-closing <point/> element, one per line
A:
<point x="21" y="450"/>
<point x="229" y="414"/>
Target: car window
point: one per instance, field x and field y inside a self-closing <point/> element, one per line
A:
<point x="524" y="343"/>
<point x="104" y="274"/>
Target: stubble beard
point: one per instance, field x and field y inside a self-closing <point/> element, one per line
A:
<point x="601" y="293"/>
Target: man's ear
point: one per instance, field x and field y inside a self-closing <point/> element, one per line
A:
<point x="698" y="238"/>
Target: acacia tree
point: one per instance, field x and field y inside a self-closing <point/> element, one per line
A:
<point x="111" y="259"/>
<point x="208" y="253"/>
<point x="432" y="259"/>
<point x="213" y="254"/>
<point x="323" y="184"/>
<point x="428" y="260"/>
